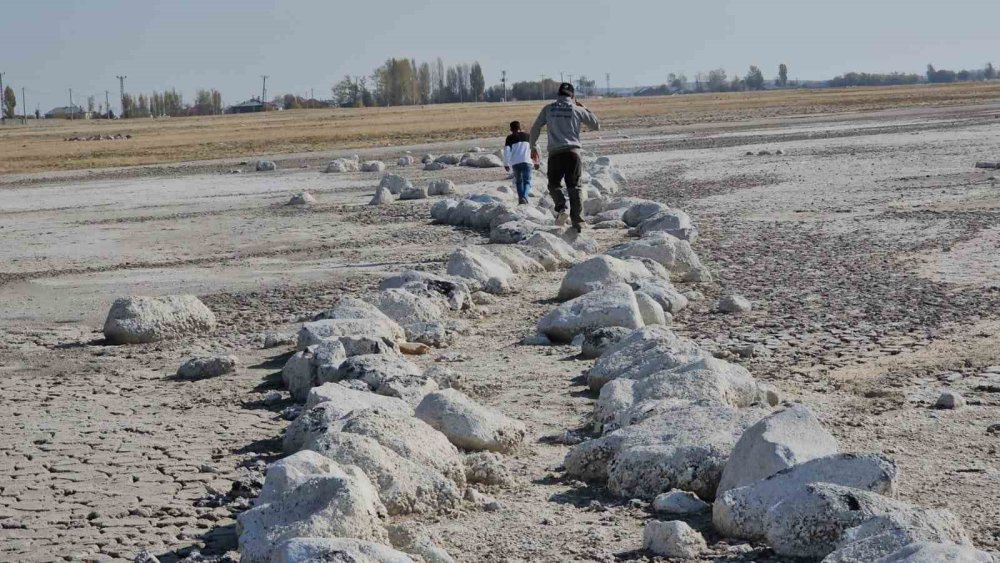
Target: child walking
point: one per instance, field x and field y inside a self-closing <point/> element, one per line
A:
<point x="517" y="155"/>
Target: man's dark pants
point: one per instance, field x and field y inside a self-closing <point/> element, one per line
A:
<point x="566" y="166"/>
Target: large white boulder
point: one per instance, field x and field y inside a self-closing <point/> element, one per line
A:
<point x="328" y="405"/>
<point x="884" y="535"/>
<point x="338" y="504"/>
<point x="395" y="183"/>
<point x="441" y="211"/>
<point x="449" y="159"/>
<point x="779" y="441"/>
<point x="336" y="550"/>
<point x="739" y="513"/>
<point x="341" y="165"/>
<point x="671" y="300"/>
<point x="927" y="552"/>
<point x="138" y="320"/>
<point x="559" y="248"/>
<point x="669" y="251"/>
<point x="513" y="232"/>
<point x="484" y="270"/>
<point x="599" y="272"/>
<point x="615" y="305"/>
<point x="517" y="260"/>
<point x="810" y="520"/>
<point x="469" y="425"/>
<point x="453" y="290"/>
<point x="290" y="472"/>
<point x="373" y="369"/>
<point x="301" y="372"/>
<point x="211" y="366"/>
<point x="685" y="449"/>
<point x="382" y="196"/>
<point x="413" y="537"/>
<point x="406" y="308"/>
<point x="314" y="332"/>
<point x="707" y="381"/>
<point x="403" y="485"/>
<point x="405" y="160"/>
<point x="641" y="210"/>
<point x="412" y="193"/>
<point x="409" y="437"/>
<point x="352" y="308"/>
<point x="651" y="311"/>
<point x="643" y="353"/>
<point x="673" y="222"/>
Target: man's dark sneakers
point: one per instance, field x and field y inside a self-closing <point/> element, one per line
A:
<point x="522" y="201"/>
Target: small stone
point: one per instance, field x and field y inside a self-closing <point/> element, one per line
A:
<point x="673" y="539"/>
<point x="993" y="429"/>
<point x="950" y="400"/>
<point x="201" y="368"/>
<point x="145" y="556"/>
<point x="272" y="398"/>
<point x="679" y="502"/>
<point x="734" y="304"/>
<point x="275" y="339"/>
<point x="291" y="412"/>
<point x="536" y="340"/>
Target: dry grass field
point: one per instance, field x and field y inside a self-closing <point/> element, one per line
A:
<point x="41" y="146"/>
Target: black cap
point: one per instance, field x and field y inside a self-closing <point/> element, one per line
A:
<point x="566" y="89"/>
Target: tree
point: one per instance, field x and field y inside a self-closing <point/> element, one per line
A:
<point x="716" y="81"/>
<point x="754" y="79"/>
<point x="676" y="82"/>
<point x="989" y="73"/>
<point x="586" y="86"/>
<point x="424" y="83"/>
<point x="9" y="102"/>
<point x="143" y="107"/>
<point x="477" y="81"/>
<point x="782" y="80"/>
<point x="91" y="104"/>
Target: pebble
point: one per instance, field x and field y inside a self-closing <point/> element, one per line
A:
<point x="950" y="400"/>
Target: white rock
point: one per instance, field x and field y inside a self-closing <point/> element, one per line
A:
<point x="301" y="372"/>
<point x="469" y="425"/>
<point x="679" y="502"/>
<point x="925" y="552"/>
<point x="883" y="535"/>
<point x="374" y="369"/>
<point x="342" y="504"/>
<point x="599" y="272"/>
<point x="373" y="166"/>
<point x="672" y="539"/>
<point x="288" y="473"/>
<point x="614" y="305"/>
<point x="734" y="303"/>
<point x="213" y="366"/>
<point x="441" y="187"/>
<point x="739" y="513"/>
<point x="671" y="252"/>
<point x="651" y="311"/>
<point x="779" y="441"/>
<point x="450" y="159"/>
<point x="336" y="550"/>
<point x="673" y="222"/>
<point x="317" y="331"/>
<point x="406" y="308"/>
<point x="413" y="193"/>
<point x="809" y="521"/>
<point x="404" y="486"/>
<point x="405" y="160"/>
<point x="341" y="165"/>
<point x="427" y="158"/>
<point x="516" y="259"/>
<point x="670" y="300"/>
<point x="441" y="211"/>
<point x="486" y="271"/>
<point x="513" y="232"/>
<point x="560" y="249"/>
<point x="382" y="197"/>
<point x="138" y="320"/>
<point x="352" y="308"/>
<point x="643" y="353"/>
<point x="642" y="210"/>
<point x="304" y="198"/>
<point x="453" y="290"/>
<point x="685" y="450"/>
<point x="434" y="166"/>
<point x="395" y="183"/>
<point x="328" y="404"/>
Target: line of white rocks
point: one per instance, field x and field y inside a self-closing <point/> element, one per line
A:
<point x="682" y="429"/>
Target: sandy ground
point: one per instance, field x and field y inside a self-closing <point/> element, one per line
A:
<point x="869" y="250"/>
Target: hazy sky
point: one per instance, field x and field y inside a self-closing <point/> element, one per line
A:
<point x="49" y="46"/>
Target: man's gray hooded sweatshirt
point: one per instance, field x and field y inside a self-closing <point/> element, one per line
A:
<point x="563" y="118"/>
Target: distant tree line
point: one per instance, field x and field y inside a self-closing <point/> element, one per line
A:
<point x="401" y="82"/>
<point x="171" y="104"/>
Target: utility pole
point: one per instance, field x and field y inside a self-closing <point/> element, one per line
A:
<point x="72" y="110"/>
<point x="121" y="85"/>
<point x="607" y="81"/>
<point x="107" y="104"/>
<point x="2" y="106"/>
<point x="263" y="92"/>
<point x="561" y="79"/>
<point x="541" y="85"/>
<point x="503" y="82"/>
<point x="24" y="109"/>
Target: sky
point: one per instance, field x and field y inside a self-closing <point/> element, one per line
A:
<point x="305" y="46"/>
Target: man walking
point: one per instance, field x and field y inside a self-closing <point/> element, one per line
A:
<point x="517" y="155"/>
<point x="563" y="119"/>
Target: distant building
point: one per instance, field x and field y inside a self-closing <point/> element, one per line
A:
<point x="67" y="112"/>
<point x="250" y="106"/>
